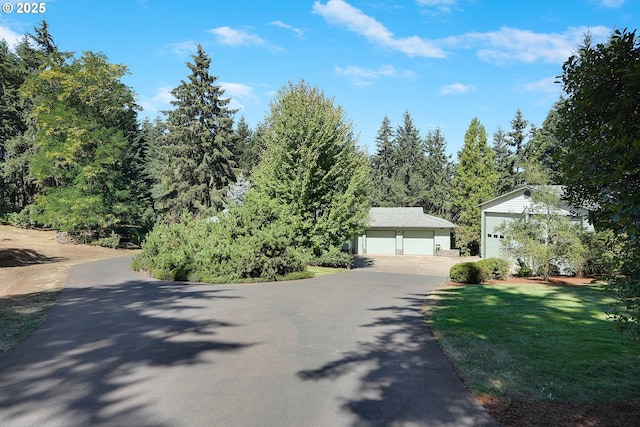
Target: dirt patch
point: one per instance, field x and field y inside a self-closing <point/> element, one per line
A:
<point x="31" y="261"/>
<point x="522" y="413"/>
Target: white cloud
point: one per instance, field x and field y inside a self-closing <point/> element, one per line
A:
<point x="365" y="76"/>
<point x="239" y="93"/>
<point x="545" y="85"/>
<point x="160" y="101"/>
<point x="299" y="32"/>
<point x="236" y="37"/>
<point x="9" y="36"/>
<point x="338" y="12"/>
<point x="509" y="45"/>
<point x="183" y="48"/>
<point x="611" y="3"/>
<point x="441" y="5"/>
<point x="455" y="88"/>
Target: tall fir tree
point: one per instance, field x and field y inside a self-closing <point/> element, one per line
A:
<point x="383" y="165"/>
<point x="438" y="176"/>
<point x="199" y="133"/>
<point x="475" y="182"/>
<point x="248" y="145"/>
<point x="517" y="140"/>
<point x="504" y="161"/>
<point x="18" y="132"/>
<point x="409" y="164"/>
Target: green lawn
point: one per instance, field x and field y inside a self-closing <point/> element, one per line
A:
<point x="324" y="271"/>
<point x="538" y="342"/>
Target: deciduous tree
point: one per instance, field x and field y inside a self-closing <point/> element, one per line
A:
<point x="600" y="150"/>
<point x="312" y="164"/>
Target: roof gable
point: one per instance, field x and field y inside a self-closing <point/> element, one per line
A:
<point x="405" y="218"/>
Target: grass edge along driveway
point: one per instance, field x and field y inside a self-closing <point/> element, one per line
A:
<point x="535" y="342"/>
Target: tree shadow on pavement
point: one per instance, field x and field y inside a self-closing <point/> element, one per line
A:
<point x="82" y="367"/>
<point x="403" y="377"/>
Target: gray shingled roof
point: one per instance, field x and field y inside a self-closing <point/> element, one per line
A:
<point x="405" y="218"/>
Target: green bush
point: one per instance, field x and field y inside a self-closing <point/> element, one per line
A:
<point x="480" y="271"/>
<point x="112" y="241"/>
<point x="334" y="258"/>
<point x="493" y="268"/>
<point x="253" y="242"/>
<point x="465" y="272"/>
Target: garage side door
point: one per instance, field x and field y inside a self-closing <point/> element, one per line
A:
<point x="381" y="242"/>
<point x="418" y="242"/>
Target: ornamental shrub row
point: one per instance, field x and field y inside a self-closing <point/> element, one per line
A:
<point x="479" y="271"/>
<point x="258" y="241"/>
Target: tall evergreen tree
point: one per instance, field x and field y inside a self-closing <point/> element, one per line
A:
<point x="313" y="167"/>
<point x="248" y="146"/>
<point x="438" y="176"/>
<point x="199" y="133"/>
<point x="383" y="165"/>
<point x="475" y="182"/>
<point x="409" y="164"/>
<point x="517" y="139"/>
<point x="504" y="161"/>
<point x="17" y="124"/>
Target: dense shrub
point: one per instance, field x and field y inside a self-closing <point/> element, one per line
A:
<point x="253" y="242"/>
<point x="493" y="268"/>
<point x="465" y="272"/>
<point x="335" y="258"/>
<point x="480" y="271"/>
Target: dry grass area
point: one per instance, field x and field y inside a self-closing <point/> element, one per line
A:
<point x="32" y="261"/>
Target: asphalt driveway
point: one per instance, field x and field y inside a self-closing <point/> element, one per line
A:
<point x="121" y="349"/>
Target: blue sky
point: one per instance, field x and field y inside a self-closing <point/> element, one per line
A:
<point x="444" y="61"/>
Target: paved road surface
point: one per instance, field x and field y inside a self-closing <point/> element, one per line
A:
<point x="121" y="349"/>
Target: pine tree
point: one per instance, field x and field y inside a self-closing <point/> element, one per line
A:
<point x="409" y="164"/>
<point x="197" y="144"/>
<point x="313" y="167"/>
<point x="17" y="125"/>
<point x="475" y="182"/>
<point x="438" y="176"/>
<point x="504" y="161"/>
<point x="517" y="140"/>
<point x="383" y="165"/>
<point x="248" y="146"/>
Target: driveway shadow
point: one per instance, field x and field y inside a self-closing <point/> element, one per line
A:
<point x="404" y="379"/>
<point x="97" y="345"/>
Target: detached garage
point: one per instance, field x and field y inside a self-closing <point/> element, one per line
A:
<point x="404" y="231"/>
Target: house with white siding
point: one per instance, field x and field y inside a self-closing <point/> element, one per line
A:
<point x="404" y="231"/>
<point x="511" y="206"/>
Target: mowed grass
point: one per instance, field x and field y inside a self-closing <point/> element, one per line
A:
<point x="324" y="271"/>
<point x="536" y="342"/>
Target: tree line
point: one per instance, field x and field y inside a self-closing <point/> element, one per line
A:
<point x="75" y="156"/>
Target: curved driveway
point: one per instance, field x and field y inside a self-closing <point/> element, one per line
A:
<point x="121" y="349"/>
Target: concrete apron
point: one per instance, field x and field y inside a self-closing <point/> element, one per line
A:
<point x="410" y="264"/>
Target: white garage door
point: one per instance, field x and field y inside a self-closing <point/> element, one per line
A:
<point x="381" y="242"/>
<point x="418" y="242"/>
<point x="493" y="239"/>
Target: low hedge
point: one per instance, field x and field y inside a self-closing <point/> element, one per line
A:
<point x="480" y="271"/>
